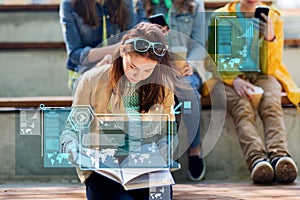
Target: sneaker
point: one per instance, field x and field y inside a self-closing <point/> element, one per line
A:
<point x="196" y="168"/>
<point x="262" y="172"/>
<point x="285" y="170"/>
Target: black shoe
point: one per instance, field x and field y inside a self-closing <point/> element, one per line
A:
<point x="285" y="170"/>
<point x="196" y="168"/>
<point x="262" y="172"/>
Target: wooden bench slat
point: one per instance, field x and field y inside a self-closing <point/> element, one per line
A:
<point x="31" y="45"/>
<point x="66" y="101"/>
<point x="48" y="101"/>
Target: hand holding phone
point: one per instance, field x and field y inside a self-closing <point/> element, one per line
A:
<point x="158" y="19"/>
<point x="267" y="29"/>
<point x="259" y="10"/>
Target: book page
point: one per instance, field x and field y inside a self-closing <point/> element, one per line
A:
<point x="132" y="173"/>
<point x="145" y="156"/>
<point x="145" y="159"/>
<point x="101" y="161"/>
<point x="152" y="179"/>
<point x="111" y="173"/>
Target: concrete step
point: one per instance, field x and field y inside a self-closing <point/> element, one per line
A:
<point x="20" y="155"/>
<point x="225" y="161"/>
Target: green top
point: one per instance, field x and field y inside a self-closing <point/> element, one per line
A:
<point x="131" y="98"/>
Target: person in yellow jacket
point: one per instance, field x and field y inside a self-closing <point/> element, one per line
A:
<point x="269" y="160"/>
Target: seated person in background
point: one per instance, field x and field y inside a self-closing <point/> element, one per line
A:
<point x="140" y="79"/>
<point x="187" y="24"/>
<point x="88" y="23"/>
<point x="270" y="159"/>
<point x="186" y="20"/>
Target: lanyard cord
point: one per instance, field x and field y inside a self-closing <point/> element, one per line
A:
<point x="104" y="33"/>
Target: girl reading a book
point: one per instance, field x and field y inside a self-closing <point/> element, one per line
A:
<point x="140" y="79"/>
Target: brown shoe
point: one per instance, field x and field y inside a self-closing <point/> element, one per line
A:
<point x="285" y="170"/>
<point x="262" y="173"/>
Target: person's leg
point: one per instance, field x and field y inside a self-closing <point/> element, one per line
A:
<point x="100" y="187"/>
<point x="196" y="163"/>
<point x="271" y="114"/>
<point x="253" y="148"/>
<point x="244" y="119"/>
<point x="194" y="139"/>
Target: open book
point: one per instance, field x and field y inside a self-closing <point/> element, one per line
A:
<point x="144" y="167"/>
<point x="135" y="178"/>
<point x="134" y="150"/>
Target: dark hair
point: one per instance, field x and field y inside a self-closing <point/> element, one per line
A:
<point x="118" y="12"/>
<point x="152" y="89"/>
<point x="87" y="10"/>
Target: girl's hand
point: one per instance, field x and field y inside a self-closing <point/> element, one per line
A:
<point x="72" y="150"/>
<point x="106" y="60"/>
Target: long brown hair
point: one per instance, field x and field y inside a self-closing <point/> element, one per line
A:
<point x="87" y="10"/>
<point x="118" y="12"/>
<point x="151" y="91"/>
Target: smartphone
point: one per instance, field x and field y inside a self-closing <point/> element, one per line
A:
<point x="259" y="10"/>
<point x="158" y="19"/>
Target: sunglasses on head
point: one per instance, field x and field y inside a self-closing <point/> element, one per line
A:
<point x="143" y="45"/>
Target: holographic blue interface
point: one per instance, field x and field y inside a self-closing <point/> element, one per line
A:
<point x="237" y="44"/>
<point x="126" y="141"/>
<point x="117" y="140"/>
<point x="54" y="122"/>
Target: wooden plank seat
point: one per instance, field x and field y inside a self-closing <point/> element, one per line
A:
<point x="66" y="101"/>
<point x="49" y="101"/>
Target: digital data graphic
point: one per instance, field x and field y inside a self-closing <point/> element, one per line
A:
<point x="127" y="141"/>
<point x="237" y="44"/>
<point x="54" y="122"/>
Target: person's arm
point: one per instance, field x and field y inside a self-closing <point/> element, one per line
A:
<point x="197" y="44"/>
<point x="96" y="54"/>
<point x="69" y="138"/>
<point x="76" y="50"/>
<point x="272" y="48"/>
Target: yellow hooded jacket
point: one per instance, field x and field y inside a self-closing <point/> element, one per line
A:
<point x="270" y="55"/>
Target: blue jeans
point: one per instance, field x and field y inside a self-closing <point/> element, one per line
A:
<point x="196" y="84"/>
<point x="100" y="187"/>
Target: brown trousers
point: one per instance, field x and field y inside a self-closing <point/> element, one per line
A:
<point x="271" y="113"/>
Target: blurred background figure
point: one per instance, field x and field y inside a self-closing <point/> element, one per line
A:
<point x="268" y="159"/>
<point x="88" y="23"/>
<point x="186" y="20"/>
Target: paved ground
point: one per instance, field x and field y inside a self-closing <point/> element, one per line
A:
<point x="204" y="190"/>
